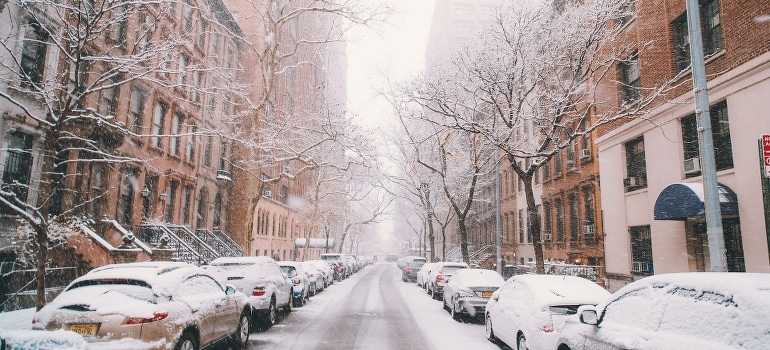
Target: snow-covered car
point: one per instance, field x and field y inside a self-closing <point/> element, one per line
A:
<point x="409" y="273"/>
<point x="440" y="275"/>
<point x="695" y="310"/>
<point x="528" y="311"/>
<point x="261" y="279"/>
<point x="297" y="274"/>
<point x="150" y="305"/>
<point x="467" y="293"/>
<point x="315" y="277"/>
<point x="422" y="274"/>
<point x="327" y="270"/>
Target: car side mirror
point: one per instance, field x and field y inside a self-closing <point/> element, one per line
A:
<point x="589" y="316"/>
<point x="495" y="296"/>
<point x="229" y="289"/>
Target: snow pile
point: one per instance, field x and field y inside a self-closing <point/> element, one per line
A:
<point x="19" y="339"/>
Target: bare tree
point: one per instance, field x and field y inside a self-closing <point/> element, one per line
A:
<point x="63" y="67"/>
<point x="530" y="87"/>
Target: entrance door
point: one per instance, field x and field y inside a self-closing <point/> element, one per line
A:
<point x="698" y="250"/>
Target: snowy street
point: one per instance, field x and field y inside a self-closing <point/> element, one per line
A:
<point x="373" y="309"/>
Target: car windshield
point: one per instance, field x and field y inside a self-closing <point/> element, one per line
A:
<point x="448" y="270"/>
<point x="289" y="270"/>
<point x="232" y="265"/>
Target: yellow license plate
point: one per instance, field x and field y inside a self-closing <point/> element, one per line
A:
<point x="86" y="330"/>
<point x="486" y="294"/>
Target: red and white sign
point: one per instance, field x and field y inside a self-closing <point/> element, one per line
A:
<point x="766" y="153"/>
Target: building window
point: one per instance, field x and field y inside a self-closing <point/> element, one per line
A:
<point x="711" y="30"/>
<point x="628" y="12"/>
<point x="574" y="219"/>
<point x="181" y="78"/>
<point x="190" y="148"/>
<point x="196" y="91"/>
<point x="109" y="101"/>
<point x="170" y="198"/>
<point x="98" y="181"/>
<point x="18" y="164"/>
<point x="521" y="226"/>
<point x="223" y="158"/>
<point x="207" y="151"/>
<point x="202" y="34"/>
<point x="187" y="20"/>
<point x="135" y="110"/>
<point x="284" y="195"/>
<point x="720" y="131"/>
<point x="641" y="250"/>
<point x="546" y="222"/>
<point x="636" y="167"/>
<point x="118" y="26"/>
<point x="557" y="163"/>
<point x="629" y="78"/>
<point x="176" y="125"/>
<point x="588" y="203"/>
<point x="127" y="196"/>
<point x="559" y="219"/>
<point x="157" y="123"/>
<point x="33" y="55"/>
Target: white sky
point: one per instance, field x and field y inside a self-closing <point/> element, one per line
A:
<point x="397" y="51"/>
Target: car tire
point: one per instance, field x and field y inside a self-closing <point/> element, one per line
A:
<point x="187" y="341"/>
<point x="522" y="343"/>
<point x="240" y="338"/>
<point x="488" y="330"/>
<point x="443" y="303"/>
<point x="454" y="313"/>
<point x="289" y="305"/>
<point x="270" y="316"/>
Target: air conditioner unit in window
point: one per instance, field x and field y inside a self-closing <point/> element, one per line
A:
<point x="571" y="166"/>
<point x="589" y="229"/>
<point x="692" y="165"/>
<point x="632" y="181"/>
<point x="267" y="193"/>
<point x="546" y="237"/>
<point x="585" y="153"/>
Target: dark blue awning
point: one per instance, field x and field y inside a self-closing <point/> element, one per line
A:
<point x="680" y="201"/>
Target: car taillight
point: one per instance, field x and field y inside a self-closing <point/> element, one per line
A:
<point x="408" y="270"/>
<point x="258" y="291"/>
<point x="439" y="277"/>
<point x="155" y="317"/>
<point x="297" y="280"/>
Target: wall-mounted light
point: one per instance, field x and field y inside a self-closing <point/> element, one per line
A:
<point x="162" y="197"/>
<point x="145" y="192"/>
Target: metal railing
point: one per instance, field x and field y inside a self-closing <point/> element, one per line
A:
<point x="221" y="242"/>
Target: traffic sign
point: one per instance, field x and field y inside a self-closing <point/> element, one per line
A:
<point x="766" y="153"/>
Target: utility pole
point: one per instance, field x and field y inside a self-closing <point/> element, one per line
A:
<point x="715" y="232"/>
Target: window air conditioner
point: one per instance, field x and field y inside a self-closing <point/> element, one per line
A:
<point x="632" y="181"/>
<point x="267" y="193"/>
<point x="546" y="237"/>
<point x="585" y="153"/>
<point x="589" y="229"/>
<point x="571" y="166"/>
<point x="692" y="165"/>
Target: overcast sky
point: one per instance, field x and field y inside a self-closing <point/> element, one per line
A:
<point x="398" y="51"/>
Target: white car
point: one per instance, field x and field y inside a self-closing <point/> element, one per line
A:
<point x="466" y="294"/>
<point x="262" y="280"/>
<point x="692" y="310"/>
<point x="315" y="277"/>
<point x="150" y="305"/>
<point x="528" y="311"/>
<point x="440" y="275"/>
<point x="422" y="275"/>
<point x="301" y="279"/>
<point x="326" y="269"/>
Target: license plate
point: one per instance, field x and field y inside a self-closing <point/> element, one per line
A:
<point x="86" y="330"/>
<point x="486" y="294"/>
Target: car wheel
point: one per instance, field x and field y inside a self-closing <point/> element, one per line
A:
<point x="522" y="343"/>
<point x="240" y="338"/>
<point x="187" y="342"/>
<point x="488" y="329"/>
<point x="454" y="313"/>
<point x="270" y="317"/>
<point x="443" y="303"/>
<point x="289" y="304"/>
<point x="305" y="297"/>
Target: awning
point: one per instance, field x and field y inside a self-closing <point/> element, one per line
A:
<point x="680" y="201"/>
<point x="314" y="243"/>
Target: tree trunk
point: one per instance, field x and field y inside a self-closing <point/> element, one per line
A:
<point x="534" y="220"/>
<point x="431" y="237"/>
<point x="463" y="240"/>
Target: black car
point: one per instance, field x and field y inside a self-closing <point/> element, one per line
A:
<point x="409" y="274"/>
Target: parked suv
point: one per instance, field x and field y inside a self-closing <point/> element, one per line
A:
<point x="261" y="279"/>
<point x="341" y="262"/>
